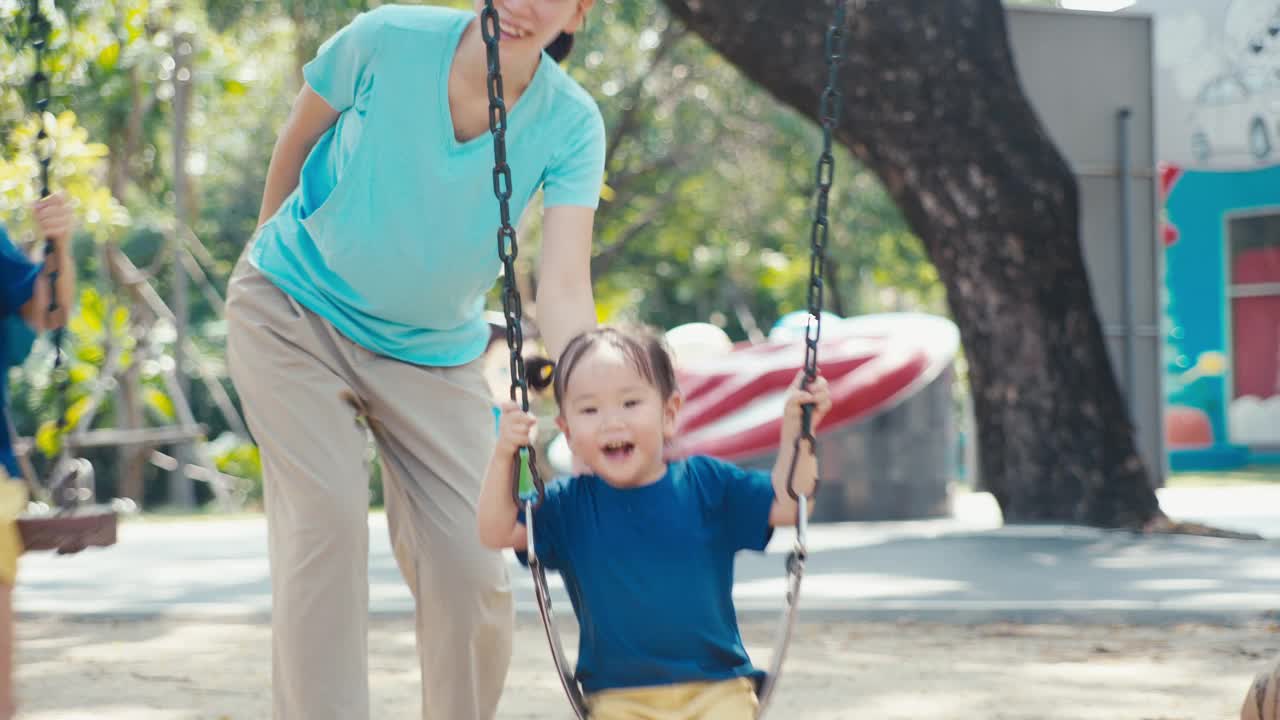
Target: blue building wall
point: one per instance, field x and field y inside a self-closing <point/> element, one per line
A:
<point x="1197" y="311"/>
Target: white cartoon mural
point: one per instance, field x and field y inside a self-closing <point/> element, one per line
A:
<point x="1218" y="138"/>
<point x="1219" y="94"/>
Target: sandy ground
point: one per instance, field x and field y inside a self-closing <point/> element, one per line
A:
<point x="188" y="670"/>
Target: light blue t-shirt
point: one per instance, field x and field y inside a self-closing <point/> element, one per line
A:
<point x="391" y="234"/>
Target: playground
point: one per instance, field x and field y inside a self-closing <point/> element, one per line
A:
<point x="901" y="380"/>
<point x="948" y="618"/>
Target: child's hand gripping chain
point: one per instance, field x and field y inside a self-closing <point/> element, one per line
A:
<point x="804" y="476"/>
<point x="515" y="429"/>
<point x="498" y="508"/>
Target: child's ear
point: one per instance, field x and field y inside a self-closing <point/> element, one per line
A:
<point x="564" y="426"/>
<point x="670" y="411"/>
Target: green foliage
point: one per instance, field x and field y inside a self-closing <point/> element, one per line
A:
<point x="705" y="216"/>
<point x="234" y="456"/>
<point x="95" y="325"/>
<point x="707" y="212"/>
<point x="72" y="172"/>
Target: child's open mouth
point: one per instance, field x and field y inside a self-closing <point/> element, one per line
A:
<point x="619" y="450"/>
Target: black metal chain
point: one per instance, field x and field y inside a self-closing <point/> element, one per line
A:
<point x="829" y="115"/>
<point x="508" y="247"/>
<point x="66" y="493"/>
<point x="41" y="29"/>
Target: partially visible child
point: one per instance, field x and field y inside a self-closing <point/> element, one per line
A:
<point x="24" y="303"/>
<point x="645" y="547"/>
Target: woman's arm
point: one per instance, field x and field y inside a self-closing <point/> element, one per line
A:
<point x="56" y="223"/>
<point x="309" y="118"/>
<point x="566" y="307"/>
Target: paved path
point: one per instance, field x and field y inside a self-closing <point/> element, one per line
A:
<point x="964" y="568"/>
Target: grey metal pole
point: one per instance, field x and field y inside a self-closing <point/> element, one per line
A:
<point x="1129" y="293"/>
<point x="181" y="487"/>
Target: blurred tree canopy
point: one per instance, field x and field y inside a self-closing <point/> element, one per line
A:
<point x="705" y="214"/>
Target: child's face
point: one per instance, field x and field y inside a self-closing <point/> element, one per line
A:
<point x="616" y="421"/>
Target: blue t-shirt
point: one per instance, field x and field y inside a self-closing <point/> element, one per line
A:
<point x="391" y="234"/>
<point x="649" y="570"/>
<point x="17" y="283"/>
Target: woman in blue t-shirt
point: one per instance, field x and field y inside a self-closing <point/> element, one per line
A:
<point x="358" y="310"/>
<point x="24" y="311"/>
<point x="646" y="547"/>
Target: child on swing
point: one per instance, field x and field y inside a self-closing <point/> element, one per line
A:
<point x="24" y="303"/>
<point x="646" y="547"/>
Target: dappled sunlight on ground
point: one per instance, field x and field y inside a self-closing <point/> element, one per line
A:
<point x="852" y="586"/>
<point x="1010" y="671"/>
<point x="171" y="670"/>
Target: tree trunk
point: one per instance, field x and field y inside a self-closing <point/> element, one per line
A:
<point x="932" y="104"/>
<point x="132" y="458"/>
<point x="119" y="170"/>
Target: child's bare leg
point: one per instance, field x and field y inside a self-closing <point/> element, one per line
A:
<point x="7" y="702"/>
<point x="13" y="498"/>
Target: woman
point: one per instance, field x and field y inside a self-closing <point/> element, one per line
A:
<point x="359" y="305"/>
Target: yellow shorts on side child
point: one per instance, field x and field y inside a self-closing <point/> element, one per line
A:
<point x="13" y="500"/>
<point x="726" y="700"/>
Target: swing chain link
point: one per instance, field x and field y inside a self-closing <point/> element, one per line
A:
<point x="40" y="29"/>
<point x="508" y="249"/>
<point x="508" y="246"/>
<point x="829" y="116"/>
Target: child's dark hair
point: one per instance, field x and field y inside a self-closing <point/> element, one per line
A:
<point x="645" y="350"/>
<point x="560" y="48"/>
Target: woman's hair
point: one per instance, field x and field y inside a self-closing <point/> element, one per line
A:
<point x="560" y="48"/>
<point x="645" y="350"/>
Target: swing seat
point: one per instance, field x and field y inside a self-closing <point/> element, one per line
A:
<point x="70" y="526"/>
<point x="69" y="532"/>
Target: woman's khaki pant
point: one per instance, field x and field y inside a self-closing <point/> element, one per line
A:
<point x="308" y="394"/>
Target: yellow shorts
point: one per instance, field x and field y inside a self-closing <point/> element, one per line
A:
<point x="726" y="700"/>
<point x="13" y="500"/>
